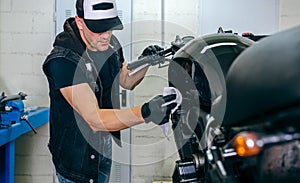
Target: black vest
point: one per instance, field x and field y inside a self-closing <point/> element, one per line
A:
<point x="73" y="156"/>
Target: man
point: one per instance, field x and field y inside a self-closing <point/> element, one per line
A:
<point x="84" y="71"/>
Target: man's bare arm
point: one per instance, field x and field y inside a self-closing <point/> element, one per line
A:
<point x="83" y="100"/>
<point x="130" y="82"/>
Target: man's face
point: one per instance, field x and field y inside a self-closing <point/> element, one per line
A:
<point x="95" y="41"/>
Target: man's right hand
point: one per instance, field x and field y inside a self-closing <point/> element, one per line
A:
<point x="156" y="111"/>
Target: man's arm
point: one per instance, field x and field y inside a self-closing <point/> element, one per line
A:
<point x="130" y="82"/>
<point x="83" y="100"/>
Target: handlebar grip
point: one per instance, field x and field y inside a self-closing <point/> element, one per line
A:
<point x="150" y="59"/>
<point x="138" y="63"/>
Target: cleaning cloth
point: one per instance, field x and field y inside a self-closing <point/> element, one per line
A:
<point x="168" y="91"/>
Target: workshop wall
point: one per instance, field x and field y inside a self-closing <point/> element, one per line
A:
<point x="289" y="14"/>
<point x="26" y="36"/>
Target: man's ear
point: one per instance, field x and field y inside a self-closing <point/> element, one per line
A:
<point x="79" y="22"/>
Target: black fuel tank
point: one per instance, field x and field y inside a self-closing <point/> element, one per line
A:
<point x="264" y="78"/>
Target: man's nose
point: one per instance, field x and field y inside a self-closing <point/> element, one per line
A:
<point x="104" y="34"/>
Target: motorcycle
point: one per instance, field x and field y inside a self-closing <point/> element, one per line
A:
<point x="238" y="121"/>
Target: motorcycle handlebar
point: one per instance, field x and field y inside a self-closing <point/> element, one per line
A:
<point x="139" y="62"/>
<point x="150" y="59"/>
<point x="159" y="57"/>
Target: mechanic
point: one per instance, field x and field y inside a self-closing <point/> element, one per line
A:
<point x="84" y="70"/>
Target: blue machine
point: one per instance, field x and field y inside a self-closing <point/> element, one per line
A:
<point x="12" y="118"/>
<point x="12" y="114"/>
<point x="11" y="109"/>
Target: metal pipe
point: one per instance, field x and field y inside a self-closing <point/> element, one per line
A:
<point x="163" y="23"/>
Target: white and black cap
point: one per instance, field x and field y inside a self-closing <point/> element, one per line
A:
<point x="99" y="15"/>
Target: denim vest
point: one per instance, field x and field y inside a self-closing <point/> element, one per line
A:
<point x="73" y="157"/>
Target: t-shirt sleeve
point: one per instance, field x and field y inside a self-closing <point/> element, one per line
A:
<point x="122" y="59"/>
<point x="65" y="73"/>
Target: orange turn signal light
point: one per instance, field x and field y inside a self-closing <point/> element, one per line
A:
<point x="247" y="144"/>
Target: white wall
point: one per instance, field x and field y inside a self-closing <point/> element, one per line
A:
<point x="289" y="14"/>
<point x="26" y="35"/>
<point x="256" y="16"/>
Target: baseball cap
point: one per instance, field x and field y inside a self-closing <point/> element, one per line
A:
<point x="99" y="15"/>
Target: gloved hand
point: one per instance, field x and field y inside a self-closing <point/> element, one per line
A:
<point x="155" y="112"/>
<point x="151" y="50"/>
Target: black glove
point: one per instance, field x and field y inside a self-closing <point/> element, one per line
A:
<point x="151" y="50"/>
<point x="153" y="110"/>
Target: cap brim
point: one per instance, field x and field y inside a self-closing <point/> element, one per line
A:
<point x="104" y="25"/>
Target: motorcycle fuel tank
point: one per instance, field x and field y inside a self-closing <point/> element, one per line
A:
<point x="264" y="79"/>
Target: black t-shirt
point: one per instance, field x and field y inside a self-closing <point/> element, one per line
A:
<point x="103" y="61"/>
<point x="66" y="73"/>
